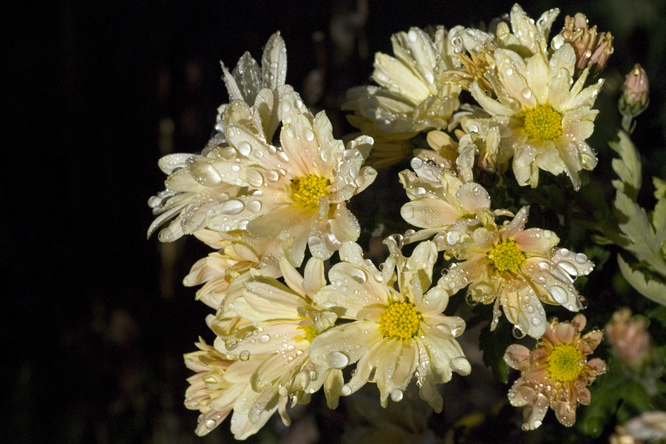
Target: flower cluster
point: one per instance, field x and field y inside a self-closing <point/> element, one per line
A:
<point x="297" y="305"/>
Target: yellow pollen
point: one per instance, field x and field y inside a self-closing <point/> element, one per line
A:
<point x="400" y="320"/>
<point x="306" y="190"/>
<point x="310" y="332"/>
<point x="565" y="363"/>
<point x="506" y="256"/>
<point x="542" y="122"/>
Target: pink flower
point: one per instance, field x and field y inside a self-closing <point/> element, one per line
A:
<point x="556" y="372"/>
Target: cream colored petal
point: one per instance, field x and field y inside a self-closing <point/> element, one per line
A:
<point x="274" y="62"/>
<point x="563" y="59"/>
<point x="395" y="76"/>
<point x="426" y="213"/>
<point x="291" y="276"/>
<point x="434" y="301"/>
<point x="585" y="98"/>
<point x="473" y="197"/>
<point x="513" y="73"/>
<point x="538" y="77"/>
<point x="578" y="131"/>
<point x="314" y="277"/>
<point x="343" y="345"/>
<point x="488" y="104"/>
<point x="360" y="287"/>
<point x="558" y="93"/>
<point x="395" y="368"/>
<point x="524" y="310"/>
<point x="270" y="300"/>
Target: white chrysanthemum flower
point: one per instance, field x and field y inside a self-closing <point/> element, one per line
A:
<point x="283" y="320"/>
<point x="446" y="208"/>
<point x="518" y="269"/>
<point x="196" y="182"/>
<point x="395" y="335"/>
<point x="543" y="119"/>
<point x="299" y="190"/>
<point x="408" y="98"/>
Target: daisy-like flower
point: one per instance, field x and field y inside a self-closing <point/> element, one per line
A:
<point x="543" y="119"/>
<point x="518" y="269"/>
<point x="395" y="335"/>
<point x="298" y="191"/>
<point x="280" y="323"/>
<point x="446" y="208"/>
<point x="408" y="98"/>
<point x="197" y="183"/>
<point x="555" y="373"/>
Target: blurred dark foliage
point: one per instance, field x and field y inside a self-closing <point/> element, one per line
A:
<point x="94" y="320"/>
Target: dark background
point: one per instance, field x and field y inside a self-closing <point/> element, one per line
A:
<point x="93" y="318"/>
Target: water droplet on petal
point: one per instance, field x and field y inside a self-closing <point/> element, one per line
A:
<point x="396" y="395"/>
<point x="244" y="148"/>
<point x="244" y="355"/>
<point x="580" y="258"/>
<point x="526" y="93"/>
<point x="264" y="339"/>
<point x="309" y="135"/>
<point x="559" y="294"/>
<point x="346" y="390"/>
<point x="254" y="206"/>
<point x="337" y="359"/>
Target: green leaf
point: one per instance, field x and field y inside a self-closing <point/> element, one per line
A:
<point x="493" y="344"/>
<point x="650" y="288"/>
<point x="628" y="166"/>
<point x="645" y="241"/>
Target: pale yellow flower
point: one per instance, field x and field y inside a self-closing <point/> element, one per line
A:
<point x="408" y="98"/>
<point x="555" y="373"/>
<point x="543" y="119"/>
<point x="297" y="191"/>
<point x="395" y="335"/>
<point x="443" y="206"/>
<point x="280" y="321"/>
<point x="518" y="269"/>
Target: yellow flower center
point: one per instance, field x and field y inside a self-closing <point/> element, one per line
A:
<point x="506" y="256"/>
<point x="400" y="320"/>
<point x="310" y="332"/>
<point x="306" y="190"/>
<point x="565" y="363"/>
<point x="542" y="122"/>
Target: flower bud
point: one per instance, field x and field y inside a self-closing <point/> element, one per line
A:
<point x="629" y="338"/>
<point x="592" y="49"/>
<point x="635" y="93"/>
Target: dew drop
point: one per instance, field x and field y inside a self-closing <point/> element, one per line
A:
<point x="526" y="93"/>
<point x="559" y="294"/>
<point x="536" y="322"/>
<point x="231" y="344"/>
<point x="517" y="332"/>
<point x="210" y="424"/>
<point x="244" y="355"/>
<point x="345" y="390"/>
<point x="568" y="267"/>
<point x="396" y="395"/>
<point x="272" y="176"/>
<point x="580" y="258"/>
<point x="254" y="206"/>
<point x="244" y="148"/>
<point x="309" y="135"/>
<point x="232" y="207"/>
<point x="264" y="339"/>
<point x="337" y="359"/>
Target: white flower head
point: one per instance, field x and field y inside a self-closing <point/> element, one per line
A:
<point x="395" y="334"/>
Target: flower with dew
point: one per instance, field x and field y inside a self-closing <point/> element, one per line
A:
<point x="298" y="190"/>
<point x="543" y="116"/>
<point x="195" y="183"/>
<point x="443" y="206"/>
<point x="408" y="99"/>
<point x="555" y="373"/>
<point x="224" y="272"/>
<point x="278" y="324"/>
<point x="518" y="269"/>
<point x="396" y="334"/>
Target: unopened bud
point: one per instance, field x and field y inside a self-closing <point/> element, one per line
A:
<point x="592" y="49"/>
<point x="630" y="339"/>
<point x="635" y="93"/>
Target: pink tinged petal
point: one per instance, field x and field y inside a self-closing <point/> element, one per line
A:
<point x="395" y="76"/>
<point x="344" y="345"/>
<point x="517" y="357"/>
<point x="584" y="396"/>
<point x="565" y="413"/>
<point x="536" y="241"/>
<point x="565" y="332"/>
<point x="521" y="393"/>
<point x="597" y="366"/>
<point x="517" y="224"/>
<point x="577" y="131"/>
<point x="579" y="322"/>
<point x="490" y="105"/>
<point x="473" y="197"/>
<point x="538" y="77"/>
